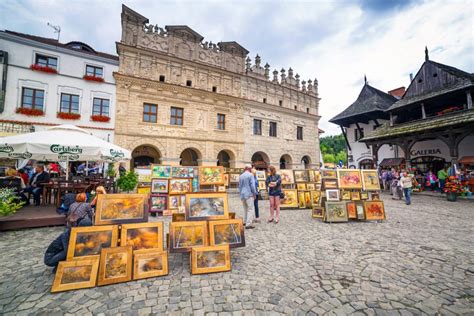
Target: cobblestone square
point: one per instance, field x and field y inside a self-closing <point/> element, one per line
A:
<point x="419" y="261"/>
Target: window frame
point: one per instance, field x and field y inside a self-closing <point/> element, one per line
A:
<point x="150" y="113"/>
<point x="275" y="129"/>
<point x="69" y="110"/>
<point x="176" y="117"/>
<point x="299" y="132"/>
<point x="101" y="113"/>
<point x="47" y="57"/>
<point x="221" y="121"/>
<point x="34" y="106"/>
<point x="255" y="130"/>
<point x="95" y="68"/>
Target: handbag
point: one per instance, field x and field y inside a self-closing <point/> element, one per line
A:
<point x="282" y="195"/>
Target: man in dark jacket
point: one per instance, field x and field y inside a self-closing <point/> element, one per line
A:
<point x="39" y="178"/>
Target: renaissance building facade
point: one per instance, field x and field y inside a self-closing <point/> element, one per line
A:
<point x="184" y="101"/>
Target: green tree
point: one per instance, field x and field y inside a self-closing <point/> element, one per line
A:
<point x="329" y="158"/>
<point x="341" y="156"/>
<point x="128" y="181"/>
<point x="333" y="148"/>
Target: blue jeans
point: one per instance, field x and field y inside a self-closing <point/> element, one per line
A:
<point x="441" y="185"/>
<point x="407" y="192"/>
<point x="36" y="194"/>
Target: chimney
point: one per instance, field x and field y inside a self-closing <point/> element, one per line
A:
<point x="411" y="77"/>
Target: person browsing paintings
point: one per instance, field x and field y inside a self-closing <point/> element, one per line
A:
<point x="274" y="191"/>
<point x="406" y="183"/>
<point x="99" y="190"/>
<point x="248" y="193"/>
<point x="255" y="202"/>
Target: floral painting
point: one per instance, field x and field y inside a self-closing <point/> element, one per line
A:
<point x="351" y="210"/>
<point x="158" y="203"/>
<point x="211" y="175"/>
<point x="336" y="212"/>
<point x="374" y="210"/>
<point x="349" y="179"/>
<point x="287" y="176"/>
<point x="290" y="200"/>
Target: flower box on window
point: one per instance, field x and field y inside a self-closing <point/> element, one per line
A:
<point x="30" y="112"/>
<point x="37" y="67"/>
<point x="93" y="78"/>
<point x="68" y="116"/>
<point x="100" y="118"/>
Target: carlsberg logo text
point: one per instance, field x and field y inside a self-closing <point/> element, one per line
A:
<point x="6" y="149"/>
<point x="60" y="149"/>
<point x="116" y="153"/>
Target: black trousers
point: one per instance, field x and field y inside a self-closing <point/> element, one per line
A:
<point x="55" y="253"/>
<point x="255" y="204"/>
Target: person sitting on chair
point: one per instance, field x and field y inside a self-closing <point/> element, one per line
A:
<point x="36" y="184"/>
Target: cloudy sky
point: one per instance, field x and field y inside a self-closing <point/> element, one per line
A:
<point x="336" y="42"/>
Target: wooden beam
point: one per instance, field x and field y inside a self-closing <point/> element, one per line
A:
<point x="345" y="137"/>
<point x="377" y="124"/>
<point x="360" y="133"/>
<point x="469" y="99"/>
<point x="423" y="112"/>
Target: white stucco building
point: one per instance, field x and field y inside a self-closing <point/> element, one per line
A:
<point x="45" y="83"/>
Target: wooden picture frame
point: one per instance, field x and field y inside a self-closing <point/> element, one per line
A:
<point x="261" y="175"/>
<point x="262" y="185"/>
<point x="317" y="176"/>
<point x="360" y="210"/>
<point x="234" y="178"/>
<point x="355" y="196"/>
<point x="317" y="212"/>
<point x="287" y="176"/>
<point x="315" y="197"/>
<point x="335" y="212"/>
<point x="158" y="202"/>
<point x="210" y="259"/>
<point x="370" y="180"/>
<point x="179" y="186"/>
<point x="227" y="232"/>
<point x="346" y="195"/>
<point x="375" y="196"/>
<point x="349" y="179"/>
<point x="176" y="201"/>
<point x="120" y="208"/>
<point x="75" y="275"/>
<point x="364" y="195"/>
<point x="332" y="195"/>
<point x="149" y="263"/>
<point x="290" y="200"/>
<point x="185" y="235"/>
<point x="211" y="175"/>
<point x="115" y="265"/>
<point x="178" y="217"/>
<point x="300" y="186"/>
<point x="351" y="210"/>
<point x="374" y="210"/>
<point x="206" y="206"/>
<point x="160" y="171"/>
<point x="221" y="188"/>
<point x="307" y="199"/>
<point x="301" y="200"/>
<point x="301" y="176"/>
<point x="142" y="236"/>
<point x="87" y="242"/>
<point x="144" y="190"/>
<point x="329" y="184"/>
<point x="180" y="172"/>
<point x="311" y="177"/>
<point x="310" y="186"/>
<point x="159" y="186"/>
<point x="328" y="174"/>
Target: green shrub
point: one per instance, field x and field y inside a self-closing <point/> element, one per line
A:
<point x="128" y="181"/>
<point x="9" y="202"/>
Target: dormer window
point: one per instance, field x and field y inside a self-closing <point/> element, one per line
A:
<point x="94" y="71"/>
<point x="46" y="61"/>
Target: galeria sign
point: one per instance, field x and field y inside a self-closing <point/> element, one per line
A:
<point x="425" y="152"/>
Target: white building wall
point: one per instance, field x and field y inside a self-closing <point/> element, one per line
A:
<point x="69" y="79"/>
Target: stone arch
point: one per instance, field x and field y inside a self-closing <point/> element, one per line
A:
<point x="190" y="157"/>
<point x="306" y="161"/>
<point x="144" y="155"/>
<point x="226" y="158"/>
<point x="260" y="160"/>
<point x="286" y="162"/>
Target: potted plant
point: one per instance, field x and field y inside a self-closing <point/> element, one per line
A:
<point x="452" y="188"/>
<point x="29" y="112"/>
<point x="111" y="172"/>
<point x="68" y="116"/>
<point x="100" y="118"/>
<point x="128" y="182"/>
<point x="9" y="202"/>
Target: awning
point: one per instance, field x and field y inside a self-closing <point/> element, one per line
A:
<point x="467" y="160"/>
<point x="391" y="162"/>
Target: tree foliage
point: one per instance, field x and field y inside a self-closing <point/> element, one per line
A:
<point x="128" y="181"/>
<point x="9" y="202"/>
<point x="333" y="148"/>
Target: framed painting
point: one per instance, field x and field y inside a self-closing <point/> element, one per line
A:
<point x="261" y="175"/>
<point x="262" y="185"/>
<point x="120" y="208"/>
<point x="178" y="217"/>
<point x="149" y="263"/>
<point x="370" y="180"/>
<point x="206" y="206"/>
<point x="329" y="184"/>
<point x="311" y="177"/>
<point x="290" y="200"/>
<point x="75" y="275"/>
<point x="87" y="242"/>
<point x="211" y="175"/>
<point x="142" y="236"/>
<point x="315" y="195"/>
<point x="227" y="232"/>
<point x="226" y="179"/>
<point x="346" y="195"/>
<point x="301" y="200"/>
<point x="349" y="179"/>
<point x="317" y="212"/>
<point x="307" y="199"/>
<point x="351" y="210"/>
<point x="364" y="195"/>
<point x="375" y="196"/>
<point x="317" y="176"/>
<point x="159" y="186"/>
<point x="144" y="175"/>
<point x="328" y="174"/>
<point x="336" y="212"/>
<point x="374" y="210"/>
<point x="310" y="186"/>
<point x="144" y="190"/>
<point x="186" y="235"/>
<point x="160" y="171"/>
<point x="287" y="176"/>
<point x="360" y="210"/>
<point x="234" y="178"/>
<point x="332" y="195"/>
<point x="180" y="172"/>
<point x="210" y="259"/>
<point x="158" y="202"/>
<point x="221" y="188"/>
<point x="355" y="196"/>
<point x="115" y="265"/>
<point x="301" y="186"/>
<point x="301" y="176"/>
<point x="176" y="201"/>
<point x="180" y="186"/>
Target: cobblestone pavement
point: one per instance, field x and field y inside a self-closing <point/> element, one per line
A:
<point x="420" y="261"/>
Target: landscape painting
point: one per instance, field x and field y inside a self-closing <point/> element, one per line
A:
<point x="287" y="176"/>
<point x="120" y="208"/>
<point x="329" y="184"/>
<point x="261" y="175"/>
<point x="159" y="186"/>
<point x="179" y="186"/>
<point x="234" y="178"/>
<point x="85" y="242"/>
<point x="328" y="174"/>
<point x="210" y="259"/>
<point x="159" y="171"/>
<point x="185" y="235"/>
<point x="349" y="179"/>
<point x="310" y="186"/>
<point x="75" y="274"/>
<point x="211" y="175"/>
<point x="115" y="265"/>
<point x="332" y="195"/>
<point x="158" y="202"/>
<point x="149" y="263"/>
<point x="370" y="180"/>
<point x="336" y="212"/>
<point x="142" y="236"/>
<point x="181" y="172"/>
<point x="360" y="210"/>
<point x="227" y="232"/>
<point x="206" y="206"/>
<point x="374" y="210"/>
<point x="290" y="200"/>
<point x="301" y="176"/>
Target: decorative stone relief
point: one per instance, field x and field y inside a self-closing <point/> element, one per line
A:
<point x="201" y="121"/>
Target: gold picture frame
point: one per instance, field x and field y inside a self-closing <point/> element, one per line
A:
<point x="346" y="195"/>
<point x="234" y="178"/>
<point x="335" y="212"/>
<point x="355" y="196"/>
<point x="315" y="197"/>
<point x="206" y="206"/>
<point x="307" y="199"/>
<point x="176" y="201"/>
<point x="185" y="235"/>
<point x="328" y="174"/>
<point x="349" y="179"/>
<point x="149" y="263"/>
<point x="317" y="212"/>
<point x="370" y="180"/>
<point x="301" y="200"/>
<point x="86" y="242"/>
<point x="290" y="200"/>
<point x="211" y="175"/>
<point x="329" y="184"/>
<point x="160" y="171"/>
<point x="374" y="210"/>
<point x="115" y="265"/>
<point x="364" y="195"/>
<point x="159" y="186"/>
<point x="351" y="210"/>
<point x="300" y="186"/>
<point x="262" y="185"/>
<point x="179" y="186"/>
<point x="301" y="176"/>
<point x="227" y="232"/>
<point x="142" y="235"/>
<point x="120" y="208"/>
<point x="210" y="259"/>
<point x="75" y="275"/>
<point x="287" y="176"/>
<point x="310" y="186"/>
